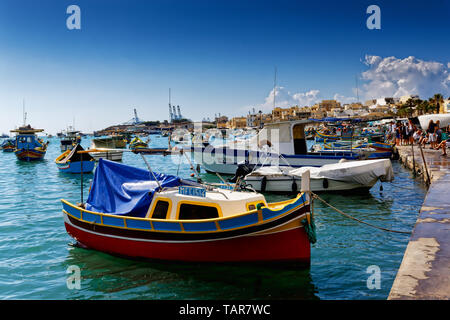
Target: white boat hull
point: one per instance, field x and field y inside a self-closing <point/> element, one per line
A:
<point x="111" y="155"/>
<point x="285" y="184"/>
<point x="228" y="164"/>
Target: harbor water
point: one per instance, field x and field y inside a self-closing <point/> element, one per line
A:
<point x="36" y="252"/>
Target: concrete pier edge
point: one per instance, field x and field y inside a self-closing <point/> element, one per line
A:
<point x="424" y="273"/>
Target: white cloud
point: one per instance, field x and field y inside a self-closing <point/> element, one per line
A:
<point x="393" y="77"/>
<point x="343" y="99"/>
<point x="285" y="98"/>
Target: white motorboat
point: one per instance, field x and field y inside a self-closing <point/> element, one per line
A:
<point x="345" y="175"/>
<point x="107" y="149"/>
<point x="280" y="140"/>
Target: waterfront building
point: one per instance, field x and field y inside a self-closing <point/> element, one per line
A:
<point x="445" y="106"/>
<point x="237" y="123"/>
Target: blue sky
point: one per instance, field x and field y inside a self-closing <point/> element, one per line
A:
<point x="217" y="56"/>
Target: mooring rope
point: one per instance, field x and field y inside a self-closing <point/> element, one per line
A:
<point x="315" y="196"/>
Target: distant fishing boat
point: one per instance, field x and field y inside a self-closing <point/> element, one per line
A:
<point x="137" y="143"/>
<point x="109" y="145"/>
<point x="28" y="146"/>
<point x="70" y="161"/>
<point x="8" y="145"/>
<point x="119" y="141"/>
<point x="70" y="139"/>
<point x="140" y="214"/>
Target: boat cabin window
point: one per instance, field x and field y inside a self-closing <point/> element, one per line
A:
<point x="25" y="139"/>
<point x="193" y="211"/>
<point x="160" y="210"/>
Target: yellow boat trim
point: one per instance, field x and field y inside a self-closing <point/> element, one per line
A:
<point x="151" y="220"/>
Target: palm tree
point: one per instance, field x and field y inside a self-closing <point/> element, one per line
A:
<point x="410" y="105"/>
<point x="424" y="107"/>
<point x="437" y="100"/>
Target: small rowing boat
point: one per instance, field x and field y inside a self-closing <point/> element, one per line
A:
<point x="71" y="161"/>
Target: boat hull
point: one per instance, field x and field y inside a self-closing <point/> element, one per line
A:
<point x="29" y="155"/>
<point x="286" y="246"/>
<point x="111" y="155"/>
<point x="285" y="184"/>
<point x="8" y="149"/>
<point x="75" y="167"/>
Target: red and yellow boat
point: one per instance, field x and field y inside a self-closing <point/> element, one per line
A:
<point x="168" y="218"/>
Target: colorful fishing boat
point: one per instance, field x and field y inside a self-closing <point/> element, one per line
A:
<point x="140" y="214"/>
<point x="28" y="146"/>
<point x="8" y="145"/>
<point x="71" y="161"/>
<point x="137" y="143"/>
<point x="70" y="140"/>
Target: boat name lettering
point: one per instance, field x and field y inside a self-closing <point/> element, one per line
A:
<point x="192" y="191"/>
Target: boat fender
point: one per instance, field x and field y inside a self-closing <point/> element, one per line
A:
<point x="264" y="142"/>
<point x="325" y="183"/>
<point x="263" y="184"/>
<point x="294" y="186"/>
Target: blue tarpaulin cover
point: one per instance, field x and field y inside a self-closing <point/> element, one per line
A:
<point x="124" y="190"/>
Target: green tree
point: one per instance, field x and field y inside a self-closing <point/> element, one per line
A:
<point x="436" y="101"/>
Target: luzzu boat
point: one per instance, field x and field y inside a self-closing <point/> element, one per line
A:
<point x="71" y="161"/>
<point x="8" y="145"/>
<point x="134" y="213"/>
<point x="28" y="146"/>
<point x="137" y="143"/>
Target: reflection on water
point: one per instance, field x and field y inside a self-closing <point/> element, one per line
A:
<point x="35" y="251"/>
<point x="113" y="276"/>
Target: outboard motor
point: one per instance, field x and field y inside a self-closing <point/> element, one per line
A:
<point x="242" y="170"/>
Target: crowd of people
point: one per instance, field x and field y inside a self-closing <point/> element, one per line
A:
<point x="407" y="133"/>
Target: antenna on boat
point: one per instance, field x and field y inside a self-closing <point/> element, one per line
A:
<point x="151" y="171"/>
<point x="24" y="114"/>
<point x="274" y="86"/>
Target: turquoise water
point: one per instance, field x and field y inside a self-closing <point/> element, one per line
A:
<point x="35" y="250"/>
